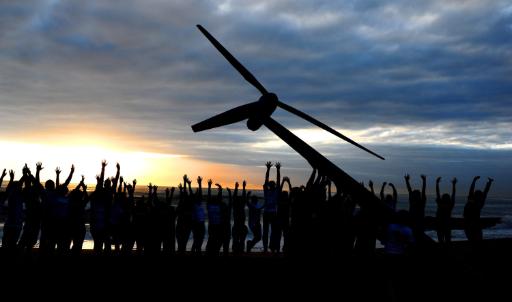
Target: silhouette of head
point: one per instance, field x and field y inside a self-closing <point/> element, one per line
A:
<point x="445" y="198"/>
<point x="49" y="185"/>
<point x="389" y="199"/>
<point x="254" y="199"/>
<point x="416" y="195"/>
<point x="108" y="183"/>
<point x="272" y="185"/>
<point x="479" y="196"/>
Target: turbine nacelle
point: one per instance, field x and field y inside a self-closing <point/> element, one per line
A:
<point x="259" y="112"/>
<point x="265" y="106"/>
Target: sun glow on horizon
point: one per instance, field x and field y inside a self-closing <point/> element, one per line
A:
<point x="163" y="169"/>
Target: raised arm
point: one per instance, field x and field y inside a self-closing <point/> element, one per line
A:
<point x="244" y="192"/>
<point x="116" y="179"/>
<point x="120" y="188"/>
<point x="209" y="198"/>
<point x="286" y="179"/>
<point x="382" y="190"/>
<point x="219" y="191"/>
<point x="134" y="183"/>
<point x="370" y="184"/>
<point x="57" y="179"/>
<point x="423" y="187"/>
<point x="268" y="165"/>
<point x="4" y="173"/>
<point x="102" y="175"/>
<point x="199" y="191"/>
<point x="278" y="175"/>
<point x="70" y="176"/>
<point x="407" y="178"/>
<point x="235" y="193"/>
<point x="438" y="195"/>
<point x="395" y="194"/>
<point x="454" y="182"/>
<point x="39" y="167"/>
<point x="472" y="187"/>
<point x="311" y="178"/>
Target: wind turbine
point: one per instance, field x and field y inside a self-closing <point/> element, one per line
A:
<point x="259" y="113"/>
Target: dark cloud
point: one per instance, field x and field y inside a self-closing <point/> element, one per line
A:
<point x="388" y="67"/>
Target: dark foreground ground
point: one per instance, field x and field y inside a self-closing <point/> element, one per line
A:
<point x="459" y="273"/>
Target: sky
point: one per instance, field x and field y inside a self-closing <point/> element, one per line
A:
<point x="426" y="84"/>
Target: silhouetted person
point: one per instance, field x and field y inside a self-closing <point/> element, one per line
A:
<point x="472" y="209"/>
<point x="128" y="220"/>
<point x="184" y="211"/>
<point x="417" y="201"/>
<point x="271" y="191"/>
<point x="14" y="221"/>
<point x="254" y="221"/>
<point x="389" y="200"/>
<point x="215" y="224"/>
<point x="169" y="232"/>
<point x="78" y="199"/>
<point x="198" y="219"/>
<point x="239" y="230"/>
<point x="445" y="206"/>
<point x="33" y="213"/>
<point x="282" y="218"/>
<point x="226" y="211"/>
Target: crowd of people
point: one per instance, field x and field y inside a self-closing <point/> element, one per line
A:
<point x="294" y="220"/>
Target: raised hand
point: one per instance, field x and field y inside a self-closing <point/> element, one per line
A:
<point x="438" y="179"/>
<point x="218" y="186"/>
<point x="155" y="187"/>
<point x="210" y="181"/>
<point x="11" y="174"/>
<point x="286" y="179"/>
<point x="490" y="179"/>
<point x="236" y="185"/>
<point x="72" y="168"/>
<point x="268" y="164"/>
<point x="39" y="166"/>
<point x="83" y="178"/>
<point x="391" y="185"/>
<point x="476" y="178"/>
<point x="454" y="180"/>
<point x="370" y="183"/>
<point x="104" y="163"/>
<point x="134" y="182"/>
<point x="244" y="183"/>
<point x="199" y="179"/>
<point x="4" y="172"/>
<point x="58" y="170"/>
<point x="278" y="165"/>
<point x="423" y="176"/>
<point x="118" y="166"/>
<point x="407" y="177"/>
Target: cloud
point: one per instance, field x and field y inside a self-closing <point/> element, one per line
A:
<point x="391" y="73"/>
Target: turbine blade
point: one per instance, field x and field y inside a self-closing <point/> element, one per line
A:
<point x="234" y="62"/>
<point x="234" y="115"/>
<point x="324" y="126"/>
